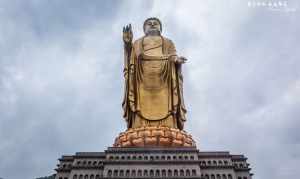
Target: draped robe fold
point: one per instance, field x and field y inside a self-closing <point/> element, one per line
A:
<point x="153" y="85"/>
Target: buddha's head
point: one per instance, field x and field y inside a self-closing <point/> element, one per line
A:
<point x="152" y="26"/>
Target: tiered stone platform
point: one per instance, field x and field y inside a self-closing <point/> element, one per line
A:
<point x="153" y="163"/>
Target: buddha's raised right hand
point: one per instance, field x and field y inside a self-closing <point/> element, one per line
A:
<point x="127" y="35"/>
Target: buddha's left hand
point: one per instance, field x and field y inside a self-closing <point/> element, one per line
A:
<point x="180" y="60"/>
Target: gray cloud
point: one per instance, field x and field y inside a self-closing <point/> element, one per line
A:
<point x="61" y="80"/>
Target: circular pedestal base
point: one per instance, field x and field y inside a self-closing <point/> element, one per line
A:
<point x="154" y="137"/>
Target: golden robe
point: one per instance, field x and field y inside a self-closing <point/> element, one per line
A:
<point x="153" y="84"/>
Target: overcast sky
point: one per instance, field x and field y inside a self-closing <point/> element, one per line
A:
<point x="61" y="82"/>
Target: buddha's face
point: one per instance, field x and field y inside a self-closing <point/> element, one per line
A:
<point x="152" y="27"/>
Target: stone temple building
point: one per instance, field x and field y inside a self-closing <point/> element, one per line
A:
<point x="155" y="144"/>
<point x="185" y="162"/>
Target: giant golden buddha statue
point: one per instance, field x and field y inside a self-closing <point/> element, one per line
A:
<point x="153" y="100"/>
